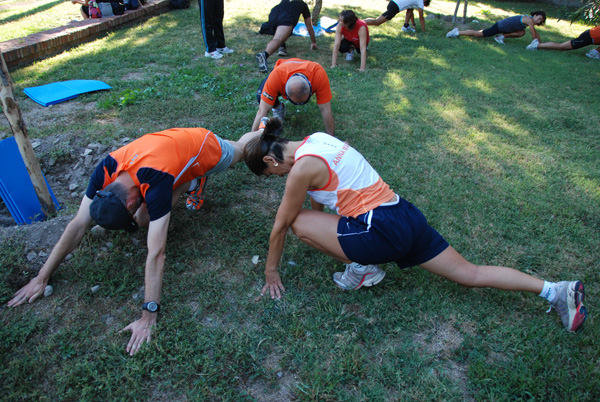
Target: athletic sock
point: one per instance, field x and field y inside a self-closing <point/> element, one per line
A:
<point x="266" y="55"/>
<point x="405" y="25"/>
<point x="548" y="292"/>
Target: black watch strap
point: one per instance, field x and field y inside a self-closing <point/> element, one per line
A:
<point x="151" y="306"/>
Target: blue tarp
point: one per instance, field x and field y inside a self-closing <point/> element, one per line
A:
<point x="16" y="188"/>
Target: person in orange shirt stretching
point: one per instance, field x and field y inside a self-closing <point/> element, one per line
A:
<point x="295" y="80"/>
<point x="587" y="38"/>
<point x="137" y="185"/>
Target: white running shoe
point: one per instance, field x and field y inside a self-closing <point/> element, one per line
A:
<point x="533" y="45"/>
<point x="213" y="55"/>
<point x="499" y="39"/>
<point x="282" y="51"/>
<point x="350" y="55"/>
<point x="356" y="276"/>
<point x="453" y="34"/>
<point x="593" y="54"/>
<point x="225" y="50"/>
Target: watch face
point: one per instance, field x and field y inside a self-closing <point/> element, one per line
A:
<point x="152" y="306"/>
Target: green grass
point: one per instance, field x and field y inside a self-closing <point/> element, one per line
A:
<point x="497" y="146"/>
<point x="19" y="18"/>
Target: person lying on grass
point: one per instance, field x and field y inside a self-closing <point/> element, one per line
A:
<point x="512" y="27"/>
<point x="587" y="38"/>
<point x="137" y="185"/>
<point x="373" y="225"/>
<point x="350" y="34"/>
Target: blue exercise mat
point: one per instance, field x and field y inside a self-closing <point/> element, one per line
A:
<point x="51" y="94"/>
<point x="325" y="24"/>
<point x="16" y="188"/>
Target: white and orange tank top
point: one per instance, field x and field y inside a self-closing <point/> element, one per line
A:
<point x="354" y="187"/>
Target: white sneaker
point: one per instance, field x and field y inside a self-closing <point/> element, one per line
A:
<point x="453" y="33"/>
<point x="411" y="29"/>
<point x="593" y="54"/>
<point x="213" y="55"/>
<point x="405" y="29"/>
<point x="225" y="50"/>
<point x="533" y="45"/>
<point x="282" y="51"/>
<point x="350" y="55"/>
<point x="499" y="39"/>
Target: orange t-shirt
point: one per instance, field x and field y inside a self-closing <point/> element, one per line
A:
<point x="595" y="34"/>
<point x="285" y="68"/>
<point x="158" y="163"/>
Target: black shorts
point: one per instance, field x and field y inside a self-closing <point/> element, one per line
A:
<point x="392" y="10"/>
<point x="491" y="31"/>
<point x="585" y="39"/>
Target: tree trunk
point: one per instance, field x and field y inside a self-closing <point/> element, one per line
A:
<point x="15" y="119"/>
<point x="456" y="11"/>
<point x="316" y="13"/>
<point x="465" y="12"/>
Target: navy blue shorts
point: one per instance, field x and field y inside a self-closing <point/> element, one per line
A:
<point x="390" y="233"/>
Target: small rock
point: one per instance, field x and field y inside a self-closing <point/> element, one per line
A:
<point x="74" y="194"/>
<point x="279" y="374"/>
<point x="98" y="231"/>
<point x="135" y="241"/>
<point x="68" y="257"/>
<point x="73" y="186"/>
<point x="109" y="244"/>
<point x="48" y="291"/>
<point x="95" y="289"/>
<point x="43" y="254"/>
<point x="35" y="144"/>
<point x="51" y="162"/>
<point x="86" y="152"/>
<point x="255" y="259"/>
<point x="31" y="256"/>
<point x="125" y="140"/>
<point x="292" y="263"/>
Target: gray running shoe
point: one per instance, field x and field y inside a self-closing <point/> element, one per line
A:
<point x="499" y="39"/>
<point x="262" y="63"/>
<point x="282" y="51"/>
<point x="453" y="34"/>
<point x="568" y="303"/>
<point x="350" y="55"/>
<point x="279" y="112"/>
<point x="356" y="275"/>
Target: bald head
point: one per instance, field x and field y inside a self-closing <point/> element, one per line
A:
<point x="297" y="89"/>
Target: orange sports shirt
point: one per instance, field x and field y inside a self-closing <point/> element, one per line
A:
<point x="285" y="68"/>
<point x="158" y="163"/>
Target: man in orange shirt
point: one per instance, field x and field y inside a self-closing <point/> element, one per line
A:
<point x="587" y="38"/>
<point x="295" y="80"/>
<point x="137" y="185"/>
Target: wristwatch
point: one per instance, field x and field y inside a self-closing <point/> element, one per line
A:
<point x="151" y="306"/>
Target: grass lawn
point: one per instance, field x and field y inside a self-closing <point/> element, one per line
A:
<point x="496" y="145"/>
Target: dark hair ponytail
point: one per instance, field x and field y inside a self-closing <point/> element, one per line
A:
<point x="349" y="19"/>
<point x="269" y="143"/>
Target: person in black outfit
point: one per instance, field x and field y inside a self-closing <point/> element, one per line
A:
<point x="282" y="20"/>
<point x="211" y="18"/>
